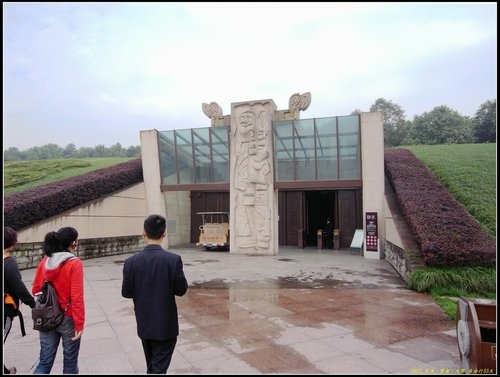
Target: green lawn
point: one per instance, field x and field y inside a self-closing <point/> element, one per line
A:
<point x="468" y="171"/>
<point x="24" y="175"/>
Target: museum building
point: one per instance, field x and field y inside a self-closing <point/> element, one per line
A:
<point x="280" y="177"/>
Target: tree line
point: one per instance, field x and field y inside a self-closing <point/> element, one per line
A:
<point x="53" y="151"/>
<point x="441" y="125"/>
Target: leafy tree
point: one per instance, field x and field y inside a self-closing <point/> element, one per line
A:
<point x="13" y="154"/>
<point x="442" y="125"/>
<point x="116" y="150"/>
<point x="70" y="151"/>
<point x="100" y="151"/>
<point x="86" y="152"/>
<point x="394" y="121"/>
<point x="485" y="122"/>
<point x="45" y="152"/>
<point x="133" y="151"/>
<point x="407" y="134"/>
<point x="53" y="151"/>
<point x="356" y="112"/>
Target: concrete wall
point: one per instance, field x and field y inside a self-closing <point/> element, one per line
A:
<point x="401" y="249"/>
<point x="119" y="214"/>
<point x="29" y="255"/>
<point x="107" y="226"/>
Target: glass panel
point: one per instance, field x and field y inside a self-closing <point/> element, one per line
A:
<point x="202" y="155"/>
<point x="184" y="155"/>
<point x="303" y="148"/>
<point x="168" y="169"/>
<point x="326" y="148"/>
<point x="198" y="155"/>
<point x="349" y="147"/>
<point x="220" y="154"/>
<point x="305" y="161"/>
<point x="283" y="150"/>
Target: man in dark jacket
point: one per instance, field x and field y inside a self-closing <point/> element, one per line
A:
<point x="152" y="278"/>
<point x="14" y="290"/>
<point x="329" y="234"/>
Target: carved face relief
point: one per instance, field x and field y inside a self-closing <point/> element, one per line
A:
<point x="247" y="119"/>
<point x="246" y="122"/>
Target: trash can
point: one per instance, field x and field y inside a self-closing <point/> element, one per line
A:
<point x="476" y="335"/>
<point x="320" y="238"/>
<point x="336" y="239"/>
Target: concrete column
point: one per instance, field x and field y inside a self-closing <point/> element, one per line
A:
<point x="155" y="200"/>
<point x="372" y="161"/>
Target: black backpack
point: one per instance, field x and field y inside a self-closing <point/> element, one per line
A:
<point x="47" y="313"/>
<point x="11" y="310"/>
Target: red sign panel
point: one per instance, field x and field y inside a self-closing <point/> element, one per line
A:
<point x="371" y="231"/>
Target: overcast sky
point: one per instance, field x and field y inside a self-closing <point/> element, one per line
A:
<point x="99" y="73"/>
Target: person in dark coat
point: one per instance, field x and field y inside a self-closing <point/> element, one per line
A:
<point x="329" y="234"/>
<point x="14" y="289"/>
<point x="152" y="278"/>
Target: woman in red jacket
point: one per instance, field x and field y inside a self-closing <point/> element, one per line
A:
<point x="65" y="271"/>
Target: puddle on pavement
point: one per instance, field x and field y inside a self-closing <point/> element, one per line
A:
<point x="286" y="308"/>
<point x="291" y="282"/>
<point x="212" y="284"/>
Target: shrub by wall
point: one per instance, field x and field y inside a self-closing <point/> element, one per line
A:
<point x="28" y="207"/>
<point x="446" y="233"/>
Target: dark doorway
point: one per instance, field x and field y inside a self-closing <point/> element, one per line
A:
<point x="303" y="213"/>
<point x="319" y="205"/>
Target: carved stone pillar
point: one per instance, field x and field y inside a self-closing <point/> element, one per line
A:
<point x="253" y="213"/>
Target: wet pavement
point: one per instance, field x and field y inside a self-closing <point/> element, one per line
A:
<point x="302" y="311"/>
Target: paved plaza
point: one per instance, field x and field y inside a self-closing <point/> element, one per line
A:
<point x="302" y="311"/>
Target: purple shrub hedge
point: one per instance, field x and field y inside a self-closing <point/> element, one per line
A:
<point x="28" y="207"/>
<point x="446" y="233"/>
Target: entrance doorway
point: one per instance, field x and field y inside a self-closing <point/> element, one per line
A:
<point x="303" y="213"/>
<point x="319" y="206"/>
